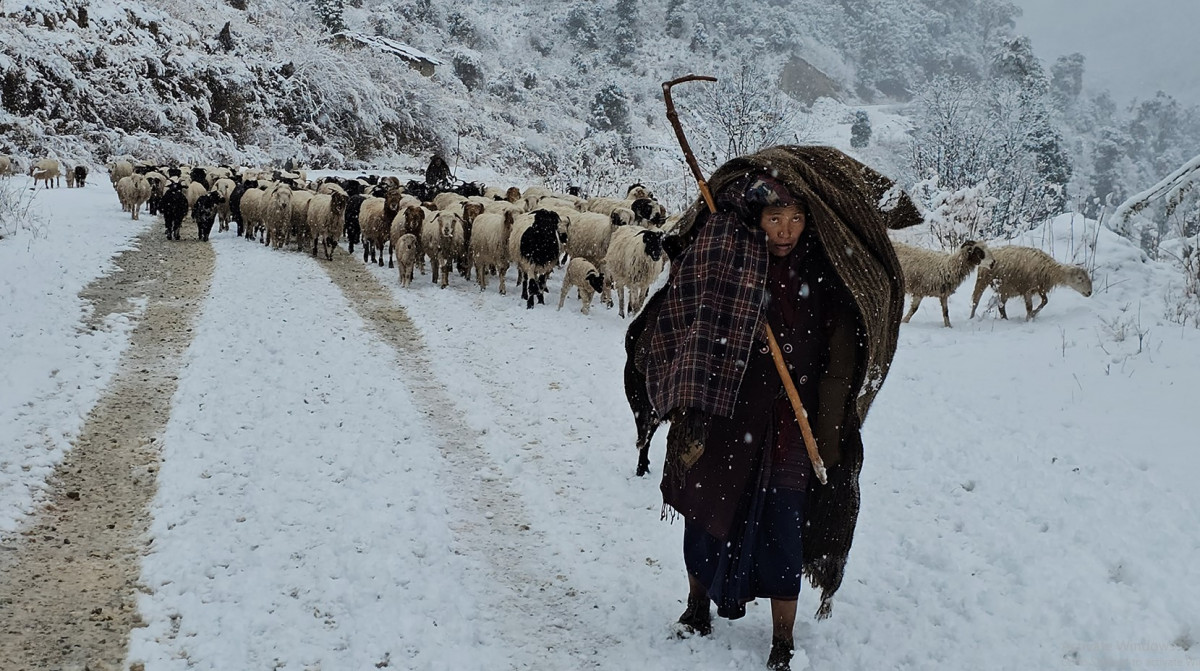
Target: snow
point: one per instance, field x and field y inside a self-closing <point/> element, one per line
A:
<point x="461" y="494"/>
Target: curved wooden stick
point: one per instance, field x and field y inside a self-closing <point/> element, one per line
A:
<point x="810" y="442"/>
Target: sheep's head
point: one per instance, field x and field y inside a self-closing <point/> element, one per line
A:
<point x="622" y="217"/>
<point x="596" y="281"/>
<point x="470" y="211"/>
<point x="513" y="194"/>
<point x="652" y="244"/>
<point x="337" y="203"/>
<point x="978" y="254"/>
<point x="449" y="223"/>
<point x="414" y="216"/>
<point x="1078" y="279"/>
<point x="547" y="220"/>
<point x="637" y="191"/>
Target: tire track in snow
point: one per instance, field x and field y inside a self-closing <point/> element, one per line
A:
<point x="494" y="527"/>
<point x="68" y="579"/>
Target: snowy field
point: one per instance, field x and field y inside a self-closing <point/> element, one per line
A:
<point x="458" y="493"/>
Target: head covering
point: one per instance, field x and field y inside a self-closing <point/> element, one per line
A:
<point x="765" y="191"/>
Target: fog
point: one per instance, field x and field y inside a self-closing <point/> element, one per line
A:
<point x="1133" y="47"/>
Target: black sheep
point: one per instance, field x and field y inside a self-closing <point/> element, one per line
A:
<point x="81" y="173"/>
<point x="204" y="212"/>
<point x="539" y="247"/>
<point x="353" y="229"/>
<point x="235" y="202"/>
<point x="174" y="208"/>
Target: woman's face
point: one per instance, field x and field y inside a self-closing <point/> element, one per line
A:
<point x="783" y="226"/>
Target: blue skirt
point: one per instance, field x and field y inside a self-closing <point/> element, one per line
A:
<point x="763" y="557"/>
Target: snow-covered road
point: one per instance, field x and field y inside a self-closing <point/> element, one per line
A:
<point x="355" y="475"/>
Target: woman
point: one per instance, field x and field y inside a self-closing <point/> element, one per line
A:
<point x="798" y="242"/>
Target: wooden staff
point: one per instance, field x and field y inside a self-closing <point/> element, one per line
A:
<point x="810" y="442"/>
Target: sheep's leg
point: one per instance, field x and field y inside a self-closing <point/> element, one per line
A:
<point x="1045" y="299"/>
<point x="945" y="310"/>
<point x="912" y="308"/>
<point x="503" y="273"/>
<point x="480" y="278"/>
<point x="1029" y="311"/>
<point x="391" y="253"/>
<point x="447" y="270"/>
<point x="562" y="295"/>
<point x="587" y="303"/>
<point x="1003" y="314"/>
<point x="527" y="292"/>
<point x="621" y="301"/>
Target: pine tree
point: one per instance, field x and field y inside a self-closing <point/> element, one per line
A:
<point x="623" y="47"/>
<point x="860" y="131"/>
<point x="329" y="12"/>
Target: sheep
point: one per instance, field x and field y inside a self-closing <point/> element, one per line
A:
<point x="376" y="218"/>
<point x="119" y="169"/>
<point x="298" y="225"/>
<point x="81" y="174"/>
<point x="204" y="212"/>
<point x="634" y="260"/>
<point x="582" y="274"/>
<point x="636" y="191"/>
<point x="251" y="209"/>
<point x="326" y="214"/>
<point x="68" y="171"/>
<point x="224" y="188"/>
<point x="932" y="273"/>
<point x="195" y="189"/>
<point x="351" y="225"/>
<point x="6" y="166"/>
<point x="442" y="240"/>
<point x="489" y="246"/>
<point x="534" y="245"/>
<point x="46" y="170"/>
<point x="405" y="248"/>
<point x="447" y="200"/>
<point x="174" y="207"/>
<point x="133" y="191"/>
<point x="532" y="195"/>
<point x="1024" y="271"/>
<point x="157" y="182"/>
<point x="409" y="221"/>
<point x="277" y="214"/>
<point x="470" y="211"/>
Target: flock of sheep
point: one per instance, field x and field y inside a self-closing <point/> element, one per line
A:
<point x="1010" y="271"/>
<point x="612" y="244"/>
<point x="606" y="244"/>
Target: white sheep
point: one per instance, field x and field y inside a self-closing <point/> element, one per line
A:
<point x="276" y="214"/>
<point x="1024" y="271"/>
<point x="6" y="166"/>
<point x="581" y="274"/>
<point x="46" y="170"/>
<point x="933" y="273"/>
<point x="251" y="207"/>
<point x="119" y="169"/>
<point x="298" y="227"/>
<point x="224" y="188"/>
<point x="634" y="260"/>
<point x="405" y="248"/>
<point x="326" y="217"/>
<point x="442" y="241"/>
<point x="448" y="200"/>
<point x="133" y="191"/>
<point x="489" y="246"/>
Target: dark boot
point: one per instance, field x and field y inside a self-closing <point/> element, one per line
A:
<point x="780" y="658"/>
<point x="697" y="619"/>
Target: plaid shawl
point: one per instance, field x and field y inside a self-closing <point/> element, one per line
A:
<point x="695" y="333"/>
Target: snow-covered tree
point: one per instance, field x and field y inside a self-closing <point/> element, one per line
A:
<point x="860" y="130"/>
<point x="329" y="13"/>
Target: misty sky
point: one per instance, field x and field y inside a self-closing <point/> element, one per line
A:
<point x="1133" y="47"/>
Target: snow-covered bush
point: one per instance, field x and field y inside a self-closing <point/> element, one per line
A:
<point x="16" y="213"/>
<point x="955" y="216"/>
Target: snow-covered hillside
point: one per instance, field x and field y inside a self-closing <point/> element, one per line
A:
<point x="354" y="475"/>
